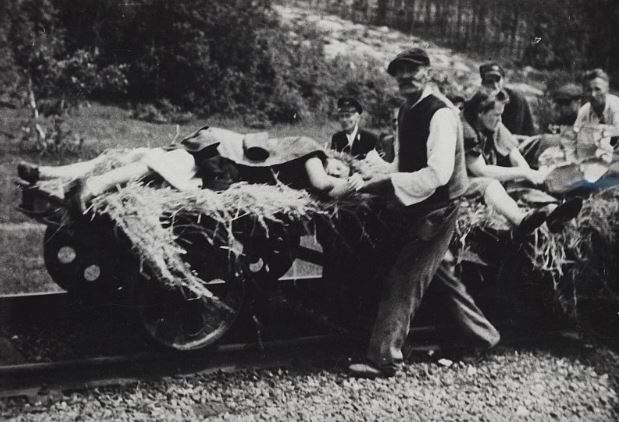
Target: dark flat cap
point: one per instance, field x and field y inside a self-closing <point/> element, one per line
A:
<point x="568" y="92"/>
<point x="491" y="68"/>
<point x="416" y="56"/>
<point x="349" y="104"/>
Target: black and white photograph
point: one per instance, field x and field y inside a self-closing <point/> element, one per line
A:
<point x="309" y="210"/>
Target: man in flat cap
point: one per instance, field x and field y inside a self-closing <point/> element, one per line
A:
<point x="427" y="179"/>
<point x="517" y="116"/>
<point x="352" y="139"/>
<point x="567" y="99"/>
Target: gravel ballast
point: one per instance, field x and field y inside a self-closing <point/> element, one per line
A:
<point x="572" y="381"/>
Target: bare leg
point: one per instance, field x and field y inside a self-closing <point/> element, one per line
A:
<point x="496" y="197"/>
<point x="69" y="171"/>
<point x="96" y="185"/>
<point x="82" y="168"/>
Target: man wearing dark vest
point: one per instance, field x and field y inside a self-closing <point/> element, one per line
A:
<point x="428" y="178"/>
<point x="352" y="139"/>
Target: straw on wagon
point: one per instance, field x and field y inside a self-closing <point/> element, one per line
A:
<point x="137" y="209"/>
<point x="580" y="261"/>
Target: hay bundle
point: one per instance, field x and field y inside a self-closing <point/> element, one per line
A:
<point x="137" y="210"/>
<point x="582" y="251"/>
<point x="580" y="261"/>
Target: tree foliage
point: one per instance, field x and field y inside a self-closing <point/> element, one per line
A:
<point x="552" y="34"/>
<point x="207" y="57"/>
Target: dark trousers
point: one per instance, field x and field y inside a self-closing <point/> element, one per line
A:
<point x="417" y="260"/>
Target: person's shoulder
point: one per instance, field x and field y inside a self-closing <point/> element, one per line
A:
<point x="514" y="95"/>
<point x="584" y="109"/>
<point x="467" y="130"/>
<point x="505" y="138"/>
<point x="338" y="134"/>
<point x="613" y="101"/>
<point x="438" y="100"/>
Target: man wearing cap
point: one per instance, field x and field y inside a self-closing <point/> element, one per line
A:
<point x="352" y="139"/>
<point x="427" y="179"/>
<point x="517" y="116"/>
<point x="567" y="103"/>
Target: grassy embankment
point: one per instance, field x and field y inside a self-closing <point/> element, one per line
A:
<point x="21" y="256"/>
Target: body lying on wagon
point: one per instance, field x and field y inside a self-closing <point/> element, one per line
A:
<point x="205" y="242"/>
<point x="259" y="195"/>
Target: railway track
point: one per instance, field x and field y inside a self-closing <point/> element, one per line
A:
<point x="36" y="379"/>
<point x="20" y="376"/>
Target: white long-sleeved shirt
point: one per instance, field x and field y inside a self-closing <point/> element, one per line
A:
<point x="610" y="115"/>
<point x="417" y="186"/>
<point x="350" y="137"/>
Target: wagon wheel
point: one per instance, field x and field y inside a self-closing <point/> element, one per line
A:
<point x="177" y="320"/>
<point x="81" y="260"/>
<point x="270" y="258"/>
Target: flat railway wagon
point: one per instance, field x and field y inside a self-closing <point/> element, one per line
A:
<point x="92" y="260"/>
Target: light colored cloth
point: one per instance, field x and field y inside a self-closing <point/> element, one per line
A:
<point x="351" y="136"/>
<point x="177" y="167"/>
<point x="414" y="187"/>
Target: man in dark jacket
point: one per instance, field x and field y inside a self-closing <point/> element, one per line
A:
<point x="426" y="182"/>
<point x="517" y="116"/>
<point x="352" y="139"/>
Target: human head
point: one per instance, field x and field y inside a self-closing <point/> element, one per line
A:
<point x="492" y="77"/>
<point x="485" y="109"/>
<point x="410" y="69"/>
<point x="595" y="86"/>
<point x="337" y="168"/>
<point x="567" y="99"/>
<point x="348" y="113"/>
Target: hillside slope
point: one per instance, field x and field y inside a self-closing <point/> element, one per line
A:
<point x="357" y="41"/>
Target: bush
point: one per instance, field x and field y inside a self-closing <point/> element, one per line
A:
<point x="173" y="59"/>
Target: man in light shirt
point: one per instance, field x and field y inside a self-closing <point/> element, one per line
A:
<point x="601" y="107"/>
<point x="427" y="179"/>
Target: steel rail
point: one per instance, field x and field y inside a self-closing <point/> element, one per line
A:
<point x="43" y="378"/>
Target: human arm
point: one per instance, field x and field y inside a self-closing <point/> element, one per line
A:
<point x="517" y="160"/>
<point x="581" y="117"/>
<point x="478" y="167"/>
<point x="333" y="187"/>
<point x="413" y="187"/>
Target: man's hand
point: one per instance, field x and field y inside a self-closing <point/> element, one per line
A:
<point x="355" y="182"/>
<point x="373" y="165"/>
<point x="378" y="184"/>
